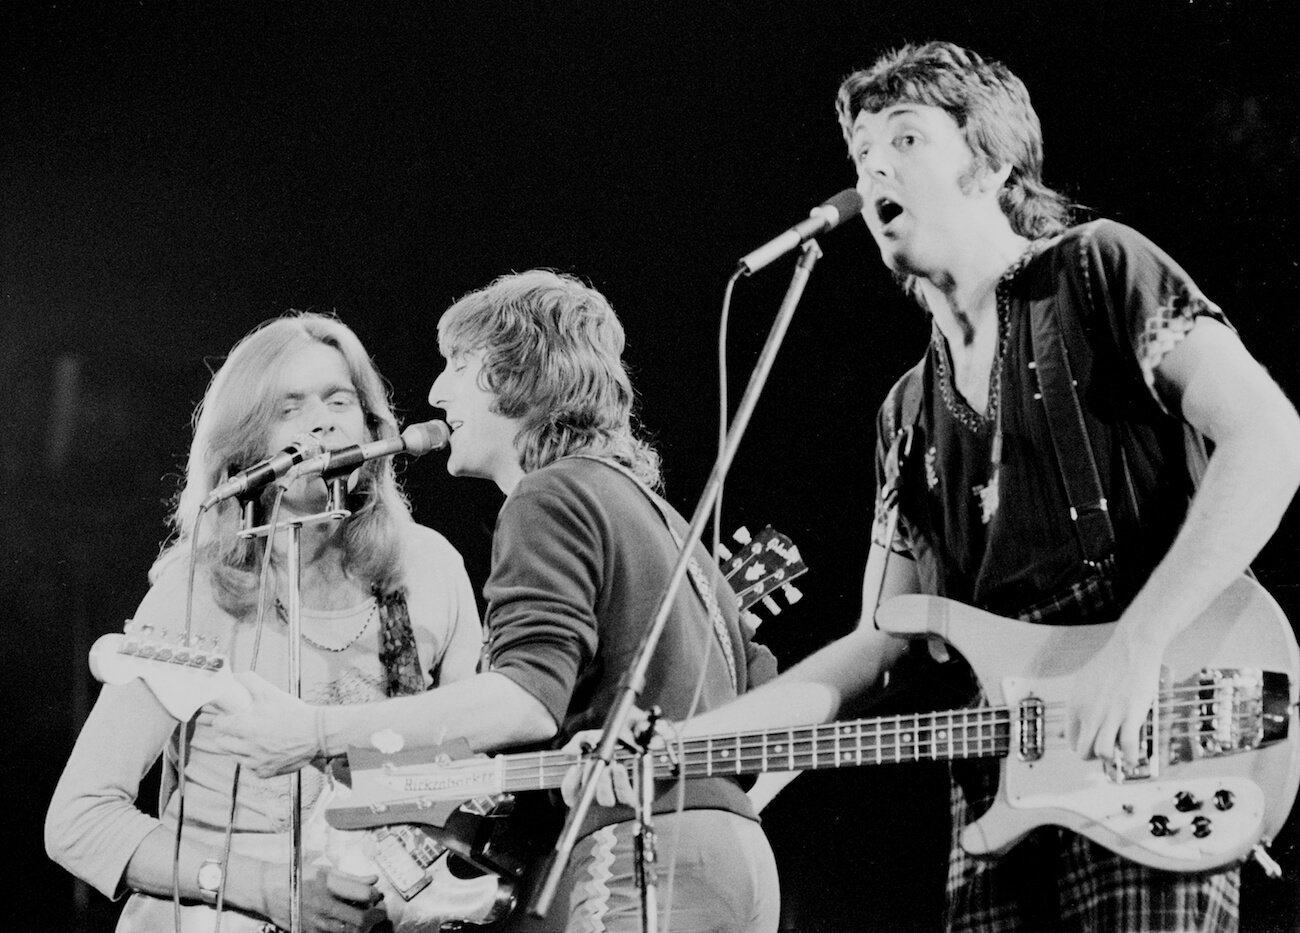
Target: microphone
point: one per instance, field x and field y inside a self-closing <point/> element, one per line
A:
<point x="416" y="440"/>
<point x="264" y="471"/>
<point x="824" y="217"/>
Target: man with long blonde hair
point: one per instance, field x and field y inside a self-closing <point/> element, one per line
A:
<point x="387" y="609"/>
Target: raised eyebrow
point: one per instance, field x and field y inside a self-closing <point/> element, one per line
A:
<point x="893" y="116"/>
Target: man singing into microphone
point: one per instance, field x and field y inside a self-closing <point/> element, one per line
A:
<point x="1047" y="476"/>
<point x="387" y="609"/>
<point x="539" y="401"/>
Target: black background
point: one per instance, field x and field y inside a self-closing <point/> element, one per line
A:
<point x="171" y="174"/>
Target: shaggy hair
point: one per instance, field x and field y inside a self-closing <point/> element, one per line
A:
<point x="231" y="431"/>
<point x="991" y="107"/>
<point x="552" y="354"/>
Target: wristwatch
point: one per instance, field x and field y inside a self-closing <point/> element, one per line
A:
<point x="209" y="878"/>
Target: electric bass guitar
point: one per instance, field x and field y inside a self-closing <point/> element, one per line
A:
<point x="1217" y="780"/>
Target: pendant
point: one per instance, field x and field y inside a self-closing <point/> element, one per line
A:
<point x="931" y="474"/>
<point x="988" y="496"/>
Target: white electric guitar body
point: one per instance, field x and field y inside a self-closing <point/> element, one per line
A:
<point x="1221" y="763"/>
<point x="424" y="885"/>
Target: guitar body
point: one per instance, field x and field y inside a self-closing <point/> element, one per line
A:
<point x="498" y="833"/>
<point x="453" y="893"/>
<point x="1208" y="794"/>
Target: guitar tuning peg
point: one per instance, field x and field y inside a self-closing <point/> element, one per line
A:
<point x="772" y="605"/>
<point x="742" y="535"/>
<point x="724" y="552"/>
<point x="751" y="621"/>
<point x="792" y="593"/>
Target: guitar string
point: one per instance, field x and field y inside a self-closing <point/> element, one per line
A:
<point x="552" y="773"/>
<point x="934" y="733"/>
<point x="549" y="773"/>
<point x="860" y="742"/>
<point x="956" y="721"/>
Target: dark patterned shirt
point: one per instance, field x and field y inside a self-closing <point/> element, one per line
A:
<point x="1003" y="539"/>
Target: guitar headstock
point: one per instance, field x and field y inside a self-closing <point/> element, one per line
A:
<point x="761" y="566"/>
<point x="183" y="676"/>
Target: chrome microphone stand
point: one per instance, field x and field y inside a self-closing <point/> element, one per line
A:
<point x="634" y="680"/>
<point x="647" y="858"/>
<point x="334" y="511"/>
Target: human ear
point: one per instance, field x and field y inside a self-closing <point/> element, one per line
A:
<point x="993" y="179"/>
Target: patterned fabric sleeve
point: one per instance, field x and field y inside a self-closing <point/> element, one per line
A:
<point x="1151" y="303"/>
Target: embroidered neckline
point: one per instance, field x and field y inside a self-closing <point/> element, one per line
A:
<point x="966" y="416"/>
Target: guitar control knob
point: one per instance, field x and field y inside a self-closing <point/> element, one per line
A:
<point x="1201" y="827"/>
<point x="1185" y="801"/>
<point x="1224" y="799"/>
<point x="1160" y="825"/>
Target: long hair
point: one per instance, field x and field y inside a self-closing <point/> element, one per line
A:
<point x="552" y="354"/>
<point x="991" y="107"/>
<point x="231" y="430"/>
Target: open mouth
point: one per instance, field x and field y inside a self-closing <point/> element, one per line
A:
<point x="887" y="210"/>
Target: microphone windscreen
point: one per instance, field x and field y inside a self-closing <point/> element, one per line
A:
<point x="847" y="204"/>
<point x="426" y="436"/>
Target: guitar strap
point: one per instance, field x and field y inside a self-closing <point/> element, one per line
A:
<point x="699" y="579"/>
<point x="1089" y="510"/>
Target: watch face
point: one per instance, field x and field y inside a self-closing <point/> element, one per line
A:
<point x="210" y="876"/>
